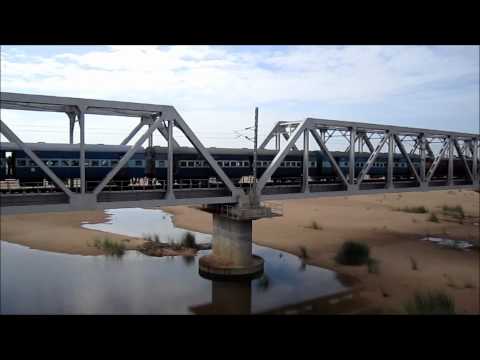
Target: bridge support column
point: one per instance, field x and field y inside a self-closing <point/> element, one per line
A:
<point x="231" y="250"/>
<point x="231" y="255"/>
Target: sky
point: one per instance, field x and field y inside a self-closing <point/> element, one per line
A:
<point x="216" y="88"/>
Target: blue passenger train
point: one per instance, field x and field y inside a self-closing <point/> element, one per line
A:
<point x="63" y="160"/>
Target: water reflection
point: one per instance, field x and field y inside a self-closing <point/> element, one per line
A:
<point x="41" y="282"/>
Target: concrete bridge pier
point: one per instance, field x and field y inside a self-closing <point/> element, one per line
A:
<point x="231" y="254"/>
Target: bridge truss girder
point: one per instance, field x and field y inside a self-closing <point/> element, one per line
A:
<point x="156" y="117"/>
<point x="397" y="140"/>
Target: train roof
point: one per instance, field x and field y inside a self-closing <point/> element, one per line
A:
<point x="245" y="151"/>
<point x="7" y="146"/>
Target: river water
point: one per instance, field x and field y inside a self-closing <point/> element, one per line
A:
<point x="41" y="282"/>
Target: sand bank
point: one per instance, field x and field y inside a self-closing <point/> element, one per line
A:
<point x="393" y="237"/>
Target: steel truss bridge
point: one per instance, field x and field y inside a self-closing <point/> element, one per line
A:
<point x="358" y="137"/>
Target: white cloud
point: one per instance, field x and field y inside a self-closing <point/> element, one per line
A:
<point x="221" y="85"/>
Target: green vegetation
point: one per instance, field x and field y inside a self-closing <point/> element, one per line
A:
<point x="414" y="209"/>
<point x="454" y="211"/>
<point x="373" y="266"/>
<point x="433" y="302"/>
<point x="353" y="253"/>
<point x="413" y="263"/>
<point x="433" y="218"/>
<point x="110" y="247"/>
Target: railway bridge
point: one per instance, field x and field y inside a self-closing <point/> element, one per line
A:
<point x="235" y="207"/>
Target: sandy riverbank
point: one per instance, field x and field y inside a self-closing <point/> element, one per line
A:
<point x="393" y="237"/>
<point x="59" y="232"/>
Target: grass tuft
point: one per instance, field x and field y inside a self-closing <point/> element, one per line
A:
<point x="454" y="211"/>
<point x="413" y="263"/>
<point x="433" y="218"/>
<point x="316" y="226"/>
<point x="110" y="247"/>
<point x="433" y="302"/>
<point x="353" y="253"/>
<point x="414" y="209"/>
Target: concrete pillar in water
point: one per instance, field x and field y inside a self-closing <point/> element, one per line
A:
<point x="231" y="250"/>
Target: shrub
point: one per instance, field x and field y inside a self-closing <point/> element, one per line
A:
<point x="188" y="240"/>
<point x="414" y="209"/>
<point x="434" y="302"/>
<point x="353" y="253"/>
<point x="454" y="211"/>
<point x="433" y="218"/>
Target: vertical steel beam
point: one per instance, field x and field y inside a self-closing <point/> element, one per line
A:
<point x="277" y="141"/>
<point x="450" y="160"/>
<point x="170" y="194"/>
<point x="10" y="135"/>
<point x="351" y="162"/>
<point x="150" y="138"/>
<point x="71" y="116"/>
<point x="305" y="161"/>
<point x="81" y="123"/>
<point x="423" y="164"/>
<point x="475" y="169"/>
<point x="391" y="142"/>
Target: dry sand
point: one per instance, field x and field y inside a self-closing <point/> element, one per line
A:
<point x="392" y="235"/>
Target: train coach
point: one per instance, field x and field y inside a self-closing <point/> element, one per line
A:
<point x="63" y="160"/>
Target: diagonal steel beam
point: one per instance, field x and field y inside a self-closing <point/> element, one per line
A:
<point x="280" y="156"/>
<point x="329" y="156"/>
<point x="370" y="146"/>
<point x="286" y="136"/>
<point x="10" y="135"/>
<point x="371" y="159"/>
<point x="269" y="137"/>
<point x="182" y="125"/>
<point x="164" y="131"/>
<point x="436" y="161"/>
<point x="132" y="133"/>
<point x="127" y="156"/>
<point x="405" y="155"/>
<point x="460" y="153"/>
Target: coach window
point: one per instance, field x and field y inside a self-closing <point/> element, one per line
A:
<point x="64" y="163"/>
<point x="95" y="163"/>
<point x="189" y="163"/>
<point x="75" y="162"/>
<point x="183" y="163"/>
<point x="104" y="163"/>
<point x="113" y="163"/>
<point x="198" y="163"/>
<point x="139" y="163"/>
